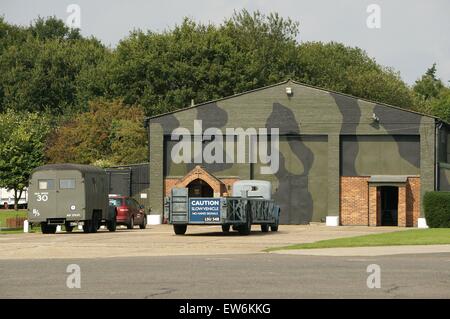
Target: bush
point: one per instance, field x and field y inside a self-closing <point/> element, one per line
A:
<point x="437" y="209"/>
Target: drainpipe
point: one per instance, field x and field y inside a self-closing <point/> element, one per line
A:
<point x="147" y="127"/>
<point x="438" y="126"/>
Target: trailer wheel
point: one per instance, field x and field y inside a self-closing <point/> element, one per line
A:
<point x="48" y="229"/>
<point x="274" y="227"/>
<point x="264" y="228"/>
<point x="226" y="228"/>
<point x="246" y="228"/>
<point x="179" y="229"/>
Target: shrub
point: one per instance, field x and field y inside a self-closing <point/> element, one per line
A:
<point x="437" y="209"/>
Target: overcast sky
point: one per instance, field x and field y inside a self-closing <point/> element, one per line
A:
<point x="413" y="33"/>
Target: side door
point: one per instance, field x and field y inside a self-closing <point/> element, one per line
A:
<point x="131" y="208"/>
<point x="45" y="196"/>
<point x="69" y="203"/>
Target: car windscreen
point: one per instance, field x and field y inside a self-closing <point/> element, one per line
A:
<point x="115" y="202"/>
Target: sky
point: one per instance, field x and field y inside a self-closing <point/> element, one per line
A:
<point x="406" y="35"/>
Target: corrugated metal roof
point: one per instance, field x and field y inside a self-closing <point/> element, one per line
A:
<point x="69" y="166"/>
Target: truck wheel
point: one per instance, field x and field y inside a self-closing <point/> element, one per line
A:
<point x="226" y="228"/>
<point x="144" y="223"/>
<point x="69" y="228"/>
<point x="91" y="226"/>
<point x="95" y="223"/>
<point x="130" y="225"/>
<point x="48" y="229"/>
<point x="86" y="226"/>
<point x="264" y="228"/>
<point x="112" y="224"/>
<point x="179" y="229"/>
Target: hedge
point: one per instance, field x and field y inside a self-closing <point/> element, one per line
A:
<point x="437" y="209"/>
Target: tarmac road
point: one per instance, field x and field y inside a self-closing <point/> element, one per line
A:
<point x="229" y="276"/>
<point x="206" y="263"/>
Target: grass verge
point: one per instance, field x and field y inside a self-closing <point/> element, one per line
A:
<point x="434" y="236"/>
<point x="8" y="213"/>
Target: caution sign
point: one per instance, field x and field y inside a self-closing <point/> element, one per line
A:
<point x="204" y="210"/>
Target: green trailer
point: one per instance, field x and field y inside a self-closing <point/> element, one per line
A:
<point x="250" y="204"/>
<point x="69" y="195"/>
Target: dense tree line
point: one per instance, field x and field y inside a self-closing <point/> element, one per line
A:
<point x="49" y="67"/>
<point x="88" y="90"/>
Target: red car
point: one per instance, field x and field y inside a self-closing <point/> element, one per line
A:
<point x="128" y="210"/>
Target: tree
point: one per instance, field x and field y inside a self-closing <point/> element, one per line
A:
<point x="53" y="28"/>
<point x="431" y="95"/>
<point x="22" y="143"/>
<point x="193" y="61"/>
<point x="350" y="70"/>
<point x="110" y="133"/>
<point x="41" y="67"/>
<point x="428" y="86"/>
<point x="48" y="66"/>
<point x="440" y="106"/>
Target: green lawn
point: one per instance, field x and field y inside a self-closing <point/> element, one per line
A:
<point x="7" y="213"/>
<point x="433" y="236"/>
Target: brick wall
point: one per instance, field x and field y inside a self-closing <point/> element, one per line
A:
<point x="373" y="207"/>
<point x="227" y="185"/>
<point x="358" y="202"/>
<point x="412" y="201"/>
<point x="401" y="220"/>
<point x="169" y="183"/>
<point x="354" y="200"/>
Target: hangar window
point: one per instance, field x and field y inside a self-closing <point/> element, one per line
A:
<point x="67" y="183"/>
<point x="46" y="184"/>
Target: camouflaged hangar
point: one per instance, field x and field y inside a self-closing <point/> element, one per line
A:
<point x="342" y="160"/>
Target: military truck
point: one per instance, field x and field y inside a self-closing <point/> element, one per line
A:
<point x="69" y="195"/>
<point x="250" y="204"/>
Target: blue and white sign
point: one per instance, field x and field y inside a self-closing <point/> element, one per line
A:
<point x="204" y="210"/>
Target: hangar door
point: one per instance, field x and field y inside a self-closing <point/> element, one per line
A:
<point x="300" y="186"/>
